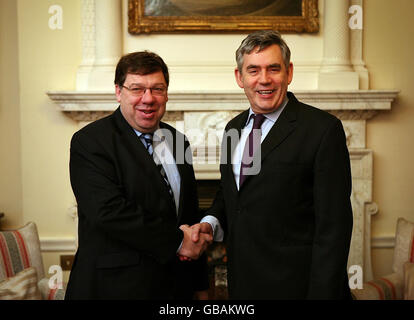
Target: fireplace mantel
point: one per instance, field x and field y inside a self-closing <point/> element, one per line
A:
<point x="346" y="105"/>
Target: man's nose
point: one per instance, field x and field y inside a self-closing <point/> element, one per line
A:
<point x="147" y="96"/>
<point x="264" y="77"/>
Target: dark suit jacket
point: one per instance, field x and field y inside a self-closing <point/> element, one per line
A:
<point x="128" y="227"/>
<point x="288" y="228"/>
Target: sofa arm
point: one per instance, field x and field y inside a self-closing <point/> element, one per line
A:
<point x="389" y="287"/>
<point x="51" y="294"/>
<point x="409" y="281"/>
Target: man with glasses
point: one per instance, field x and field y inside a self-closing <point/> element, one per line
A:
<point x="135" y="202"/>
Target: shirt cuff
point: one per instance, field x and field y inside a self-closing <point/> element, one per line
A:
<point x="179" y="248"/>
<point x="218" y="232"/>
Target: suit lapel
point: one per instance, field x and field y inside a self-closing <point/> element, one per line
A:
<point x="237" y="124"/>
<point x="283" y="127"/>
<point x="135" y="146"/>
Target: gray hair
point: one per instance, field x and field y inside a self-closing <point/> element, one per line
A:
<point x="262" y="39"/>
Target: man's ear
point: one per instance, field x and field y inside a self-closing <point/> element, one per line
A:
<point x="239" y="78"/>
<point x="118" y="93"/>
<point x="290" y="73"/>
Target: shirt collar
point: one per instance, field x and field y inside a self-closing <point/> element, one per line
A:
<point x="273" y="116"/>
<point x="139" y="133"/>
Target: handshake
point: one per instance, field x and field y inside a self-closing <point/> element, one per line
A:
<point x="196" y="240"/>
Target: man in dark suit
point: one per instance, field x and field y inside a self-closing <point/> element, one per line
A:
<point x="286" y="209"/>
<point x="134" y="200"/>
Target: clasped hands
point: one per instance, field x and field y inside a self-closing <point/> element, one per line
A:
<point x="196" y="240"/>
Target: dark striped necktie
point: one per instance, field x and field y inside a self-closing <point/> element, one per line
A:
<point x="147" y="139"/>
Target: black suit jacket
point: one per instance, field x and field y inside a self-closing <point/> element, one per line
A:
<point x="288" y="228"/>
<point x="128" y="227"/>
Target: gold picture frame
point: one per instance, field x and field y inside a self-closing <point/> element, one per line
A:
<point x="140" y="22"/>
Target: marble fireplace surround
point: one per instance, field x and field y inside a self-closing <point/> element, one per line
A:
<point x="210" y="111"/>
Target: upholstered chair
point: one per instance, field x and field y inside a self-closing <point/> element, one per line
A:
<point x="22" y="274"/>
<point x="399" y="285"/>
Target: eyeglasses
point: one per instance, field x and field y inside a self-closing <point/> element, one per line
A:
<point x="140" y="91"/>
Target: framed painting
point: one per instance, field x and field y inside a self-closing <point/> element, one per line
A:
<point x="172" y="16"/>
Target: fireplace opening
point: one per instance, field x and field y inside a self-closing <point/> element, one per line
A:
<point x="207" y="190"/>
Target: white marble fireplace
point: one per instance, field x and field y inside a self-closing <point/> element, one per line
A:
<point x="339" y="85"/>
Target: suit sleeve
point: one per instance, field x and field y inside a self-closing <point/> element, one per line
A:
<point x="333" y="214"/>
<point x="217" y="210"/>
<point x="101" y="200"/>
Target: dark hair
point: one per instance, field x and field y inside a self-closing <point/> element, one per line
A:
<point x="142" y="63"/>
<point x="262" y="39"/>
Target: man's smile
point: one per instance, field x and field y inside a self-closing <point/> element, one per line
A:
<point x="266" y="93"/>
